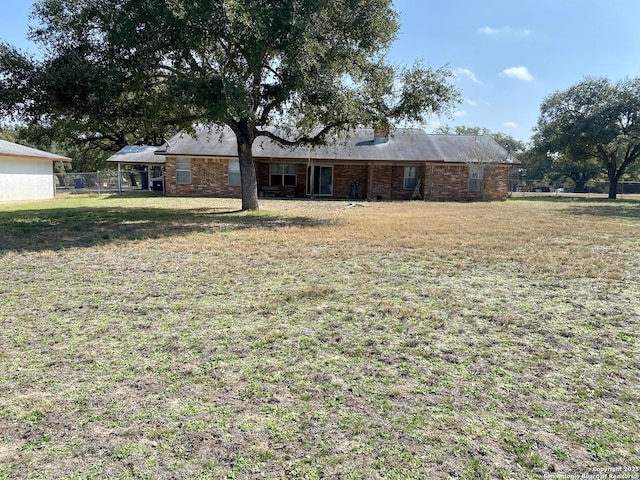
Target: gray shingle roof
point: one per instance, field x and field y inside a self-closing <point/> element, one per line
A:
<point x="404" y="145"/>
<point x="137" y="154"/>
<point x="456" y="148"/>
<point x="10" y="149"/>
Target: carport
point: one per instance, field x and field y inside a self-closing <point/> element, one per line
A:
<point x="143" y="159"/>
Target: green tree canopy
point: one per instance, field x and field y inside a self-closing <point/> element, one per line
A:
<point x="7" y="134"/>
<point x="74" y="96"/>
<point x="120" y="69"/>
<point x="595" y="120"/>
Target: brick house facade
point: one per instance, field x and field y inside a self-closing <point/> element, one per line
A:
<point x="410" y="164"/>
<point x="209" y="178"/>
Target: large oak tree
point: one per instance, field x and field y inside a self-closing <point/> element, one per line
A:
<point x="74" y="94"/>
<point x="594" y="120"/>
<point x="295" y="71"/>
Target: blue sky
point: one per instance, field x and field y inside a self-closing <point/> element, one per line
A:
<point x="508" y="55"/>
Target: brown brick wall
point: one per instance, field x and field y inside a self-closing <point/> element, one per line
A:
<point x="451" y="182"/>
<point x="344" y="177"/>
<point x="447" y="182"/>
<point x="388" y="182"/>
<point x="496" y="182"/>
<point x="382" y="182"/>
<point x="209" y="177"/>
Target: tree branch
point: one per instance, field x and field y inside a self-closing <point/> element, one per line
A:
<point x="317" y="139"/>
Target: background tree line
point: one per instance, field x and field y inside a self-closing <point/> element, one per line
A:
<point x="586" y="133"/>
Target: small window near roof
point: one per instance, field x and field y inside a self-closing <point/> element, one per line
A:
<point x="410" y="178"/>
<point x="234" y="172"/>
<point x="183" y="171"/>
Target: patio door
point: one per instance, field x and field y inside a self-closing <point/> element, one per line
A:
<point x="322" y="181"/>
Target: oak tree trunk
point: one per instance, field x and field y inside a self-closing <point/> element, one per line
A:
<point x="247" y="173"/>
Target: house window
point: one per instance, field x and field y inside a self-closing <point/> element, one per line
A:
<point x="475" y="178"/>
<point x="410" y="178"/>
<point x="282" y="174"/>
<point x="234" y="172"/>
<point x="183" y="171"/>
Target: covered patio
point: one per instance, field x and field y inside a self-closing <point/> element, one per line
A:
<point x="140" y="159"/>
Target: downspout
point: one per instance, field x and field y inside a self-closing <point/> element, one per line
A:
<point x="430" y="182"/>
<point x="312" y="180"/>
<point x="370" y="193"/>
<point x="307" y="190"/>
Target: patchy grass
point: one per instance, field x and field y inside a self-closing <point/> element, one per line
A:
<point x="180" y="338"/>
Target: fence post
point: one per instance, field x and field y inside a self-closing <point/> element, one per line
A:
<point x="98" y="180"/>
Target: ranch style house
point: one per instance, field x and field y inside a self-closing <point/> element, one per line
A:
<point x="406" y="164"/>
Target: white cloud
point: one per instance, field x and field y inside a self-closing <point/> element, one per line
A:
<point x="460" y="113"/>
<point x="465" y="72"/>
<point x="488" y="31"/>
<point x="468" y="101"/>
<point x="519" y="73"/>
<point x="506" y="30"/>
<point x="510" y="124"/>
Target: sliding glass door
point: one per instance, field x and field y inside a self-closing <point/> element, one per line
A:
<point x="322" y="181"/>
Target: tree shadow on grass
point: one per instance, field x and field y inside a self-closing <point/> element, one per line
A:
<point x="629" y="210"/>
<point x="598" y="206"/>
<point x="61" y="228"/>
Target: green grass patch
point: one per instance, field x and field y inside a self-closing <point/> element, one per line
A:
<point x="180" y="338"/>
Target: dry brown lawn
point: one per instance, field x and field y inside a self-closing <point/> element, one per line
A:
<point x="173" y="338"/>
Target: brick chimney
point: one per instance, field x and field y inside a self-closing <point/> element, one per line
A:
<point x="380" y="134"/>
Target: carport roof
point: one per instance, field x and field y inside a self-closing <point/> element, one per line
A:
<point x="137" y="154"/>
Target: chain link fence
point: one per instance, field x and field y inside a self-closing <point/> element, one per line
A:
<point x="107" y="181"/>
<point x="595" y="187"/>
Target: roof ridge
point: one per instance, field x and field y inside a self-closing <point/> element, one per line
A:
<point x="9" y="149"/>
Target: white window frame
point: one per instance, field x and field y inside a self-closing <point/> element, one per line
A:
<point x="476" y="175"/>
<point x="283" y="170"/>
<point x="183" y="171"/>
<point x="234" y="172"/>
<point x="410" y="179"/>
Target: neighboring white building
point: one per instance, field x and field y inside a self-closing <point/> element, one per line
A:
<point x="26" y="173"/>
